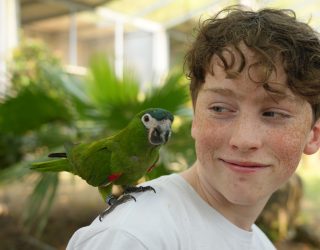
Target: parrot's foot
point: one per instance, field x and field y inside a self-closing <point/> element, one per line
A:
<point x="139" y="189"/>
<point x="113" y="202"/>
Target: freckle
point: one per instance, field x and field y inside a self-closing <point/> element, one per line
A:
<point x="242" y="179"/>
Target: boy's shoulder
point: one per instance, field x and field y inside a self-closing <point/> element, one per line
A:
<point x="152" y="219"/>
<point x="150" y="207"/>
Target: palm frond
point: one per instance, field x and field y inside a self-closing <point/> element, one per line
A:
<point x="31" y="108"/>
<point x="172" y="95"/>
<point x="14" y="172"/>
<point x="73" y="89"/>
<point x="40" y="203"/>
<point x="105" y="88"/>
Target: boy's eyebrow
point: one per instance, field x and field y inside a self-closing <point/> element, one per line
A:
<point x="221" y="91"/>
<point x="270" y="96"/>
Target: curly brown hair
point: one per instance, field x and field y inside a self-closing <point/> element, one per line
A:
<point x="270" y="33"/>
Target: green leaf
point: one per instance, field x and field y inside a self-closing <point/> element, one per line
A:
<point x="14" y="172"/>
<point x="31" y="108"/>
<point x="39" y="204"/>
<point x="105" y="89"/>
<point x="172" y="95"/>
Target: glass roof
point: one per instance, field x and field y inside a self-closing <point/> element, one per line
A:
<point x="167" y="13"/>
<point x="172" y="12"/>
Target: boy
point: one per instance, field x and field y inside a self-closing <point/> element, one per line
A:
<point x="255" y="87"/>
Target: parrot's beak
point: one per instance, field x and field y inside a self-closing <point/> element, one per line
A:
<point x="161" y="133"/>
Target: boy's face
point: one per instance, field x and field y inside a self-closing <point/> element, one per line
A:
<point x="249" y="143"/>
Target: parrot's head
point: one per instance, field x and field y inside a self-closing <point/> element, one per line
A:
<point x="158" y="124"/>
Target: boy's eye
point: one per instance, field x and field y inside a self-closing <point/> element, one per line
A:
<point x="275" y="114"/>
<point x="218" y="109"/>
<point x="269" y="114"/>
<point x="221" y="110"/>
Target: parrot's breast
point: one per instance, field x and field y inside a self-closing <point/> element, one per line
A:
<point x="135" y="167"/>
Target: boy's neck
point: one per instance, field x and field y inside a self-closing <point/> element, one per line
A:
<point x="239" y="215"/>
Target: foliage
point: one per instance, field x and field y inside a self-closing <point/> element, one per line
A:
<point x="36" y="217"/>
<point x="27" y="63"/>
<point x="44" y="108"/>
<point x="51" y="107"/>
<point x="118" y="100"/>
<point x="10" y="150"/>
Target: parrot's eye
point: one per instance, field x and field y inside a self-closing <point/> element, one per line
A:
<point x="148" y="121"/>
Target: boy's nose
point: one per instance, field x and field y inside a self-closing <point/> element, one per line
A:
<point x="246" y="134"/>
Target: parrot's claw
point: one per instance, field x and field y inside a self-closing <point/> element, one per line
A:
<point x="111" y="199"/>
<point x="139" y="189"/>
<point x="113" y="202"/>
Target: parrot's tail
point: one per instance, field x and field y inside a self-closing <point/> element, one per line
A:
<point x="53" y="166"/>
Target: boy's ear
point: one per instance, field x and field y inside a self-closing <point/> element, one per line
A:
<point x="193" y="129"/>
<point x="313" y="143"/>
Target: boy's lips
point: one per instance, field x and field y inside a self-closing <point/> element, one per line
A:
<point x="244" y="166"/>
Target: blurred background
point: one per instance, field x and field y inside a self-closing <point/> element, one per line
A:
<point x="78" y="70"/>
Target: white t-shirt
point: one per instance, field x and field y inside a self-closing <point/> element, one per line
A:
<point x="175" y="217"/>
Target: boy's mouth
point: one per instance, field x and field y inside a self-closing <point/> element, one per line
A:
<point x="244" y="166"/>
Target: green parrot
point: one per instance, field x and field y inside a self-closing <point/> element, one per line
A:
<point x="121" y="159"/>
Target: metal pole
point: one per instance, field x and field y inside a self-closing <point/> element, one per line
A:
<point x="9" y="23"/>
<point x="118" y="46"/>
<point x="73" y="39"/>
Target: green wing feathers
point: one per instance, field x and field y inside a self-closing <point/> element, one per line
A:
<point x="53" y="166"/>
